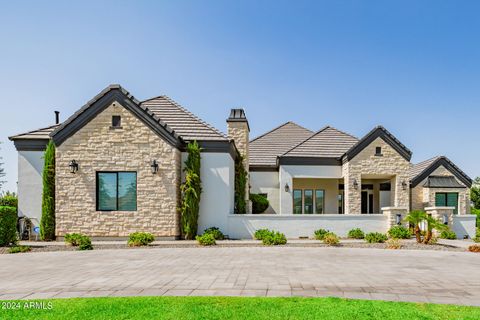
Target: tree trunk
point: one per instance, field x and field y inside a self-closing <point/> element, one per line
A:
<point x="417" y="234"/>
<point x="428" y="237"/>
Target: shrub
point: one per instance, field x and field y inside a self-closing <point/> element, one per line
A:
<point x="9" y="200"/>
<point x="274" y="238"/>
<point x="241" y="176"/>
<point x="399" y="232"/>
<point x="207" y="239"/>
<point x="18" y="249"/>
<point x="375" y="237"/>
<point x="331" y="239"/>
<point x="191" y="191"/>
<point x="138" y="239"/>
<point x="217" y="234"/>
<point x="47" y="222"/>
<point x="356" y="233"/>
<point x="260" y="234"/>
<point x="73" y="239"/>
<point x="8" y="226"/>
<point x="394" y="243"/>
<point x="259" y="203"/>
<point x="477" y="236"/>
<point x="320" y="233"/>
<point x="474" y="248"/>
<point x="433" y="240"/>
<point x="448" y="234"/>
<point x="85" y="243"/>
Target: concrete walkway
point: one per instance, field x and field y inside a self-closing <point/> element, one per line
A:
<point x="407" y="275"/>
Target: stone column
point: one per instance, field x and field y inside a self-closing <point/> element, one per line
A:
<point x="395" y="216"/>
<point x="353" y="190"/>
<point x="442" y="214"/>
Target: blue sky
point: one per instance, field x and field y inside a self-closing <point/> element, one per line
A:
<point x="412" y="66"/>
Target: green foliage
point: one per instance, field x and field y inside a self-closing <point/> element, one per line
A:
<point x="191" y="191"/>
<point x="475" y="194"/>
<point x="394" y="243"/>
<point x="320" y="233"/>
<point x="259" y="203"/>
<point x="375" y="237"/>
<point x="399" y="232"/>
<point x="260" y="234"/>
<point x="477" y="213"/>
<point x="356" y="233"/>
<point x="19" y="249"/>
<point x="9" y="200"/>
<point x="415" y="218"/>
<point x="274" y="238"/>
<point x="448" y="234"/>
<point x="85" y="244"/>
<point x="79" y="240"/>
<point x="8" y="226"/>
<point x="206" y="239"/>
<point x="138" y="239"/>
<point x="240" y="186"/>
<point x="215" y="232"/>
<point x="331" y="239"/>
<point x="47" y="222"/>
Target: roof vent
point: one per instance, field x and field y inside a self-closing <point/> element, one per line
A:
<point x="237" y="114"/>
<point x="57" y="117"/>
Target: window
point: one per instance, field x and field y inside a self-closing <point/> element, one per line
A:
<point x="378" y="151"/>
<point x="447" y="199"/>
<point x="319" y="201"/>
<point x="340" y="201"/>
<point x="308" y="201"/>
<point x="297" y="201"/>
<point x="116" y="122"/>
<point x="116" y="191"/>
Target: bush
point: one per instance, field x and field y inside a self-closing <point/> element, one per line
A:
<point x="138" y="239"/>
<point x="331" y="239"/>
<point x="8" y="226"/>
<point x="394" y="243"/>
<point x="260" y="234"/>
<point x="47" y="221"/>
<point x="474" y="248"/>
<point x="375" y="237"/>
<point x="320" y="234"/>
<point x="399" y="232"/>
<point x="215" y="232"/>
<point x="207" y="239"/>
<point x="275" y="238"/>
<point x="9" y="200"/>
<point x="433" y="240"/>
<point x="477" y="213"/>
<point x="477" y="236"/>
<point x="79" y="240"/>
<point x="356" y="233"/>
<point x="448" y="234"/>
<point x="259" y="203"/>
<point x="19" y="249"/>
<point x="85" y="243"/>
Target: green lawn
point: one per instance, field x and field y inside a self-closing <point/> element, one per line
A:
<point x="180" y="308"/>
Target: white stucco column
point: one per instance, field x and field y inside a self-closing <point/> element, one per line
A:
<point x="286" y="199"/>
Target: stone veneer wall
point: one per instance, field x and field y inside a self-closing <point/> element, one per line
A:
<point x="97" y="147"/>
<point x="367" y="163"/>
<point x="238" y="131"/>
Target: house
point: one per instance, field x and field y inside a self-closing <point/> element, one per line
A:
<point x="119" y="168"/>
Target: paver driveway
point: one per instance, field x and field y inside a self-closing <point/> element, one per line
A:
<point x="423" y="276"/>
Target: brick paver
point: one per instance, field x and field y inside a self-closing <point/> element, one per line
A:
<point x="396" y="275"/>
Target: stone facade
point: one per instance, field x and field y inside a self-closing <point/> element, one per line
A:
<point x="366" y="164"/>
<point x="98" y="147"/>
<point x="239" y="132"/>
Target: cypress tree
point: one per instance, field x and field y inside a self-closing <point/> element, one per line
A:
<point x="47" y="222"/>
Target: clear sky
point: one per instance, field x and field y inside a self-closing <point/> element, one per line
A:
<point x="412" y="66"/>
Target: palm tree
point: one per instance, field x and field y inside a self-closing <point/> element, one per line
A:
<point x="416" y="217"/>
<point x="432" y="223"/>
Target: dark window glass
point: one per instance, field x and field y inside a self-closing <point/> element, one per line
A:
<point x="340" y="202"/>
<point x="308" y="201"/>
<point x="444" y="199"/>
<point x="116" y="121"/>
<point x="319" y="201"/>
<point x="378" y="151"/>
<point x="297" y="201"/>
<point x="116" y="191"/>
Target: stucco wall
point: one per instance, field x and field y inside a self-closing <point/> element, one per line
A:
<point x="30" y="167"/>
<point x="391" y="163"/>
<point x="97" y="147"/>
<point x="267" y="182"/>
<point x="330" y="186"/>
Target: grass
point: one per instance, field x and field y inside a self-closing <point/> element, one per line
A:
<point x="236" y="308"/>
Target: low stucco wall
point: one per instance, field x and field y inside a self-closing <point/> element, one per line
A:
<point x="464" y="225"/>
<point x="30" y="166"/>
<point x="295" y="226"/>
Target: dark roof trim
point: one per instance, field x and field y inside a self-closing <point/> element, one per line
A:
<point x="30" y="144"/>
<point x="442" y="182"/>
<point x="309" y="161"/>
<point x="238" y="115"/>
<point x="263" y="168"/>
<point x="114" y="93"/>
<point x="378" y="132"/>
<point x="218" y="147"/>
<point x="449" y="165"/>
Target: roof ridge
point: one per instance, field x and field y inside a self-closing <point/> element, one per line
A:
<point x="429" y="159"/>
<point x="278" y="127"/>
<point x="189" y="113"/>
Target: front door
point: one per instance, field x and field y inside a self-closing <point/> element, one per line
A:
<point x="367" y="201"/>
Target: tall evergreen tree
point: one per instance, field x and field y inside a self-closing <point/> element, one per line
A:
<point x="47" y="223"/>
<point x="2" y="173"/>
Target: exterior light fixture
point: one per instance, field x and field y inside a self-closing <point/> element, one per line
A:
<point x="73" y="166"/>
<point x="398" y="219"/>
<point x="154" y="166"/>
<point x="355" y="184"/>
<point x="287" y="187"/>
<point x="445" y="219"/>
<point x="404" y="185"/>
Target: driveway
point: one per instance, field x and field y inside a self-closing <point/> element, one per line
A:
<point x="397" y="275"/>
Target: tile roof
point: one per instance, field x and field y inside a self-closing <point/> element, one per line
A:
<point x="265" y="148"/>
<point x="40" y="134"/>
<point x="326" y="143"/>
<point x="183" y="122"/>
<point x="418" y="168"/>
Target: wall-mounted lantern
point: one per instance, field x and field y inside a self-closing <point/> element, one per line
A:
<point x="355" y="184"/>
<point x="445" y="219"/>
<point x="287" y="187"/>
<point x="73" y="166"/>
<point x="154" y="166"/>
<point x="398" y="219"/>
<point x="404" y="185"/>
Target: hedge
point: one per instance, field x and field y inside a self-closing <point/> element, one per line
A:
<point x="8" y="225"/>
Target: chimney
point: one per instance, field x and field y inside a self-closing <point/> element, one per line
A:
<point x="238" y="130"/>
<point x="57" y="117"/>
